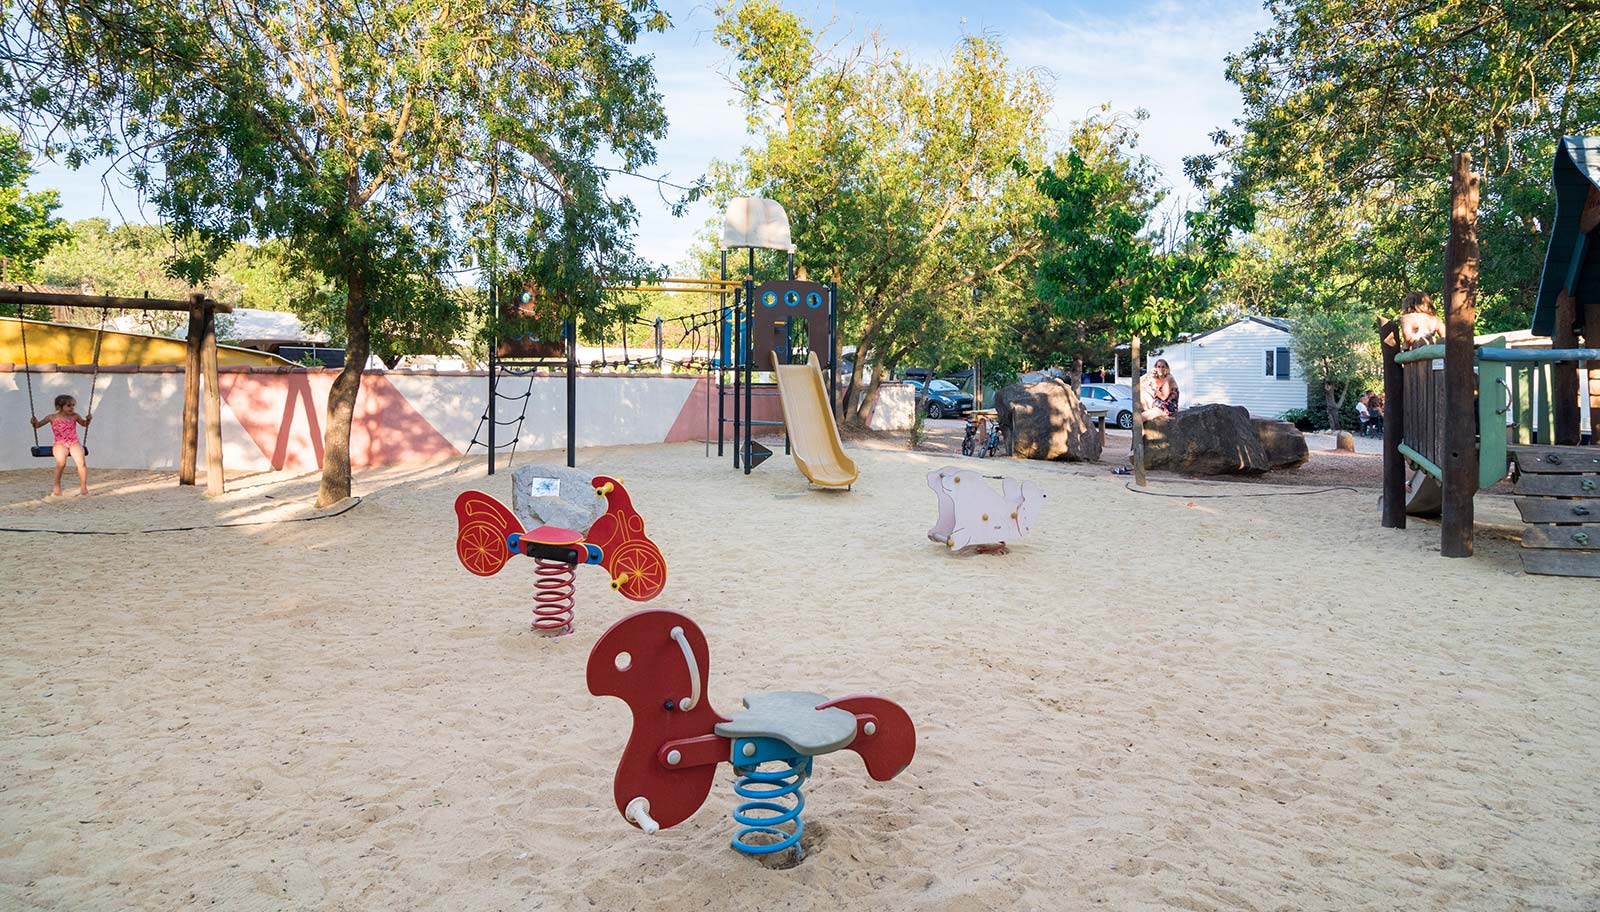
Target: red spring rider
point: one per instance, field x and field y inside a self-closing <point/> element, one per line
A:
<point x="488" y="534"/>
<point x="658" y="663"/>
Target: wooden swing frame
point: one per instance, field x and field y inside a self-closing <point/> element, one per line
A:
<point x="200" y="358"/>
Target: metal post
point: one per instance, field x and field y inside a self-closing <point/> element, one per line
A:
<point x="833" y="350"/>
<point x="494" y="366"/>
<point x="572" y="392"/>
<point x="658" y="344"/>
<point x="1394" y="427"/>
<point x="736" y="351"/>
<point x="748" y="353"/>
<point x="722" y="348"/>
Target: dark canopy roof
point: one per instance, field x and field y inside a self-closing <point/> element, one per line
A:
<point x="1577" y="171"/>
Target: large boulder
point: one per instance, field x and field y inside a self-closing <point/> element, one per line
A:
<point x="554" y="495"/>
<point x="1046" y="421"/>
<point x="1284" y="444"/>
<point x="1205" y="440"/>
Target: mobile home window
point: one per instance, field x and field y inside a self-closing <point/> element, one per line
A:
<point x="1270" y="362"/>
<point x="1282" y="372"/>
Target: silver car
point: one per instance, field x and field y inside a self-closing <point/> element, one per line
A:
<point x="1115" y="399"/>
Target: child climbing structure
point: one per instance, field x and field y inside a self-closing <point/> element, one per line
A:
<point x="792" y="326"/>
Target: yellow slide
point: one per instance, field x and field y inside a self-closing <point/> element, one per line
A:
<point x="813" y="436"/>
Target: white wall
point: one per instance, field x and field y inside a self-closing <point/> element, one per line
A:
<point x="1229" y="366"/>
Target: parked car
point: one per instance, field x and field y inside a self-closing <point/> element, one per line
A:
<point x="943" y="398"/>
<point x="1115" y="398"/>
<point x="1050" y="373"/>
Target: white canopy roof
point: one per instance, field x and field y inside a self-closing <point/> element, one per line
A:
<point x="248" y="324"/>
<point x="755" y="222"/>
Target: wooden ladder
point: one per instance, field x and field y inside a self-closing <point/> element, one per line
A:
<point x="1558" y="495"/>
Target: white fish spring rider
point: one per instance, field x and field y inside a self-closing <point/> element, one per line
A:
<point x="972" y="515"/>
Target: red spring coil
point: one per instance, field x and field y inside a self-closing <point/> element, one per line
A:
<point x="553" y="597"/>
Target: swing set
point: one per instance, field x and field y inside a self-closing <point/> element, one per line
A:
<point x="200" y="360"/>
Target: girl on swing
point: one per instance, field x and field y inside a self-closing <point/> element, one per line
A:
<point x="64" y="425"/>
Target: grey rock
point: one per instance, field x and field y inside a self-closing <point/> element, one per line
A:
<point x="1205" y="440"/>
<point x="574" y="505"/>
<point x="1285" y="446"/>
<point x="1045" y="420"/>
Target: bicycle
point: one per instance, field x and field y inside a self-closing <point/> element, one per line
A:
<point x="969" y="443"/>
<point x="995" y="441"/>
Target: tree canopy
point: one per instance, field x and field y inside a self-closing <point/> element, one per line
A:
<point x="898" y="179"/>
<point x="1352" y="112"/>
<point x="28" y="225"/>
<point x="391" y="145"/>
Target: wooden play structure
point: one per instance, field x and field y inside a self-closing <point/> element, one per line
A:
<point x="1461" y="416"/>
<point x="488" y="535"/>
<point x="658" y="663"/>
<point x="972" y="515"/>
<point x="200" y="359"/>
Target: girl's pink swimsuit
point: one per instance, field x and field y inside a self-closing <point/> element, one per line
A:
<point x="65" y="429"/>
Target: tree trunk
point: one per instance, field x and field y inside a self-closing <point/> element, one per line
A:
<point x="1077" y="359"/>
<point x="1138" y="416"/>
<point x="863" y="409"/>
<point x="342" y="396"/>
<point x="1331" y="402"/>
<point x="1460" y="463"/>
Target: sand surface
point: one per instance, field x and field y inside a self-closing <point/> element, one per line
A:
<point x="1293" y="709"/>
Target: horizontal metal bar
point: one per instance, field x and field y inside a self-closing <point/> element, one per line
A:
<point x="1422" y="462"/>
<point x="1538" y="355"/>
<point x="1506" y="355"/>
<point x="754" y="423"/>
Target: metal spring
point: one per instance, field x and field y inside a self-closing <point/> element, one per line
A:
<point x="553" y="597"/>
<point x="764" y="788"/>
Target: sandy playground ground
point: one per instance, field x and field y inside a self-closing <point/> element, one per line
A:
<point x="1293" y="709"/>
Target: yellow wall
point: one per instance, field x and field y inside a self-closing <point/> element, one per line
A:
<point x="60" y="343"/>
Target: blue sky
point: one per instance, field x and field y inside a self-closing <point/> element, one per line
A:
<point x="1159" y="55"/>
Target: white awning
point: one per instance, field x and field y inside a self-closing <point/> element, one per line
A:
<point x="755" y="222"/>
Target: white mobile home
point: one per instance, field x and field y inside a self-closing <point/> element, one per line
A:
<point x="1247" y="362"/>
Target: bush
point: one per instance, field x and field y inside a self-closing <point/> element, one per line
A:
<point x="1300" y="418"/>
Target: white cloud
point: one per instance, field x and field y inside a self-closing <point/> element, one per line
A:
<point x="1167" y="59"/>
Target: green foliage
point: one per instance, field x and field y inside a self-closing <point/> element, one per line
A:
<point x="28" y="230"/>
<point x="390" y="145"/>
<point x="1352" y="111"/>
<point x="1103" y="266"/>
<point x="1300" y="418"/>
<point x="1337" y="349"/>
<point x="897" y="178"/>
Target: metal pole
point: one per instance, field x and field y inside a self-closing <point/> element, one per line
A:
<point x="722" y="350"/>
<point x="572" y="392"/>
<point x="494" y="344"/>
<point x="833" y="349"/>
<point x="748" y="356"/>
<point x="658" y="344"/>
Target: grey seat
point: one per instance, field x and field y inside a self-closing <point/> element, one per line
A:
<point x="793" y="718"/>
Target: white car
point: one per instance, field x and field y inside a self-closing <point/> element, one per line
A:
<point x="1115" y="399"/>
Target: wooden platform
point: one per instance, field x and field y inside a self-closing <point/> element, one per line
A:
<point x="1558" y="495"/>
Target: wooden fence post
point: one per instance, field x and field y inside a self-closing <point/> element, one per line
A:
<point x="1564" y="377"/>
<point x="208" y="366"/>
<point x="1394" y="426"/>
<point x="1460" y="383"/>
<point x="191" y="392"/>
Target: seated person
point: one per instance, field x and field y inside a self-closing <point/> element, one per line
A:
<point x="1160" y="391"/>
<point x="1419" y="325"/>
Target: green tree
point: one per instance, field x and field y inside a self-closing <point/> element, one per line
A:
<point x="897" y="178"/>
<point x="1337" y="349"/>
<point x="1353" y="110"/>
<point x="1102" y="260"/>
<point x="28" y="229"/>
<point x="390" y="145"/>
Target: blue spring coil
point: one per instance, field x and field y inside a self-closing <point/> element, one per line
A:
<point x="764" y="788"/>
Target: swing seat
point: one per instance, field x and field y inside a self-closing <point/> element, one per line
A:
<point x="48" y="451"/>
